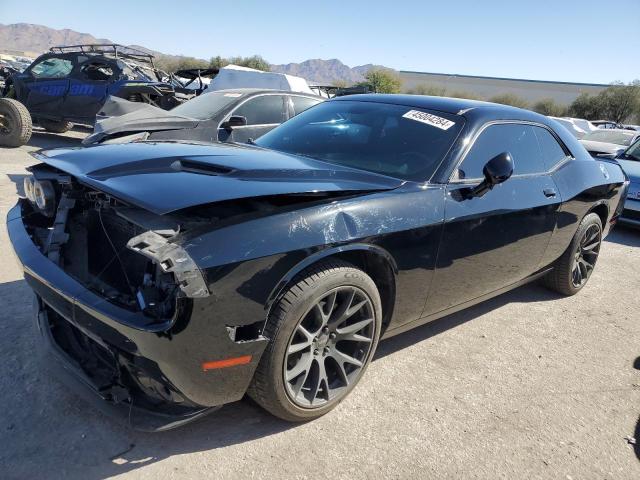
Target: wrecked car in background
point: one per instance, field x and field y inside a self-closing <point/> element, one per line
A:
<point x="226" y="116"/>
<point x="173" y="278"/>
<point x="71" y="83"/>
<point x="629" y="160"/>
<point x="609" y="142"/>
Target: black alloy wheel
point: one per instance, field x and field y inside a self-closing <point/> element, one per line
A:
<point x="586" y="255"/>
<point x="329" y="346"/>
<point x="574" y="268"/>
<point x="323" y="334"/>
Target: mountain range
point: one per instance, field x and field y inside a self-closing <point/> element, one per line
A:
<point x="39" y="38"/>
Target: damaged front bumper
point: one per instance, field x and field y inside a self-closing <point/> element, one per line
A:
<point x="156" y="372"/>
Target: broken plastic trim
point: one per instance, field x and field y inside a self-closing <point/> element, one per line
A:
<point x="172" y="259"/>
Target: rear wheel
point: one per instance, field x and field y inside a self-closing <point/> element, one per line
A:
<point x="323" y="334"/>
<point x="572" y="271"/>
<point x="15" y="123"/>
<point x="55" y="126"/>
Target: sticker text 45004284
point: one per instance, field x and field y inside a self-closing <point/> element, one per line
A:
<point x="429" y="119"/>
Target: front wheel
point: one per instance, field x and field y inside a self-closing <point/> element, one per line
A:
<point x="573" y="269"/>
<point x="15" y="123"/>
<point x="324" y="332"/>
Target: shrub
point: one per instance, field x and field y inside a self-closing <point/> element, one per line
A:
<point x="510" y="99"/>
<point x="548" y="106"/>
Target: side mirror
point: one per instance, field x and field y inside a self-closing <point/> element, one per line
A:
<point x="234" y="121"/>
<point x="497" y="170"/>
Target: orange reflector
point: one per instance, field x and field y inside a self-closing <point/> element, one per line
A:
<point x="229" y="362"/>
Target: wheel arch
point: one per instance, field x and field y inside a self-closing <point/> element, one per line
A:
<point x="373" y="260"/>
<point x="601" y="208"/>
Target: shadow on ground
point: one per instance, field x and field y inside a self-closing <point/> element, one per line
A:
<point x="41" y="415"/>
<point x="40" y="138"/>
<point x="625" y="235"/>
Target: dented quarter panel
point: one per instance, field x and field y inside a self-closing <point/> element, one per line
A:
<point x="243" y="262"/>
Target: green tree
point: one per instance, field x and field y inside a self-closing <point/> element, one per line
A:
<point x="218" y="62"/>
<point x="548" y="106"/>
<point x="169" y="63"/>
<point x="510" y="99"/>
<point x="382" y="80"/>
<point x="587" y="106"/>
<point x="339" y="83"/>
<point x="620" y="102"/>
<point x="255" y="61"/>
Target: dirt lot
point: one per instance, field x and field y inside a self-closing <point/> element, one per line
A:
<point x="528" y="385"/>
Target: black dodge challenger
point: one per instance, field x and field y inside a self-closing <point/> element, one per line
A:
<point x="174" y="277"/>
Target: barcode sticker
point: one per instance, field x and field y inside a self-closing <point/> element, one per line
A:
<point x="429" y="119"/>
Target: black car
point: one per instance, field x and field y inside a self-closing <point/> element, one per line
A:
<point x="220" y="116"/>
<point x="174" y="277"/>
<point x="71" y="83"/>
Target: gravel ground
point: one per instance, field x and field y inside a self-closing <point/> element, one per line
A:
<point x="527" y="385"/>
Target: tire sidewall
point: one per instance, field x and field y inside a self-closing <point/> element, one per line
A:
<point x="587" y="221"/>
<point x="341" y="277"/>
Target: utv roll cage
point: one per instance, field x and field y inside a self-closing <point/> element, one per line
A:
<point x="109" y="49"/>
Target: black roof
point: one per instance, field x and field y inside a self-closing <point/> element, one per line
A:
<point x="442" y="104"/>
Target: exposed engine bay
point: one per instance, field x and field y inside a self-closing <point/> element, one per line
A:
<point x="100" y="242"/>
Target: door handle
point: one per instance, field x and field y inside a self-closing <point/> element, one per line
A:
<point x="549" y="192"/>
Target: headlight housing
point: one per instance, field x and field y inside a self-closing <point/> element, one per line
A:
<point x="41" y="194"/>
<point x="28" y="188"/>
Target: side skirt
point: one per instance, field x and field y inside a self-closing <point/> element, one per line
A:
<point x="462" y="306"/>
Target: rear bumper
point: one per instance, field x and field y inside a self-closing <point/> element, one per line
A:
<point x="170" y="358"/>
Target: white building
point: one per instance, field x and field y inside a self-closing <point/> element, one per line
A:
<point x="487" y="87"/>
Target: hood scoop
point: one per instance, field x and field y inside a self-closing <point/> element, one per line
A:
<point x="201" y="168"/>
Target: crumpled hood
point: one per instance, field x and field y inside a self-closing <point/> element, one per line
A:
<point x="593" y="146"/>
<point x="163" y="177"/>
<point x="119" y="116"/>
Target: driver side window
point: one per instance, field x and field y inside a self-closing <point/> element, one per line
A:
<point x="52" y="68"/>
<point x="263" y="110"/>
<point x="517" y="139"/>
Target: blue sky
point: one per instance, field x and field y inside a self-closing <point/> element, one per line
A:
<point x="581" y="41"/>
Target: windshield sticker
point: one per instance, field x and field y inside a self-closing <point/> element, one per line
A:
<point x="233" y="95"/>
<point x="429" y="119"/>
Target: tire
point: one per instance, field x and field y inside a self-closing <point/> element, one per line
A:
<point x="15" y="123"/>
<point x="335" y="349"/>
<point x="583" y="250"/>
<point x="54" y="126"/>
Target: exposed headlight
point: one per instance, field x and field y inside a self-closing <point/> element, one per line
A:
<point x="45" y="197"/>
<point x="28" y="188"/>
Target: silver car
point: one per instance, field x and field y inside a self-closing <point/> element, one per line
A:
<point x="609" y="142"/>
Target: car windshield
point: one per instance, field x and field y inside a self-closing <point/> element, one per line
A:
<point x="206" y="105"/>
<point x="617" y="137"/>
<point x="395" y="140"/>
<point x="633" y="152"/>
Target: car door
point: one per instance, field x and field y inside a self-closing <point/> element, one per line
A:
<point x="495" y="240"/>
<point x="47" y="85"/>
<point x="88" y="87"/>
<point x="263" y="113"/>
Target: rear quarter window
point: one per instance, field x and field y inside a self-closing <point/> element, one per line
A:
<point x="551" y="151"/>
